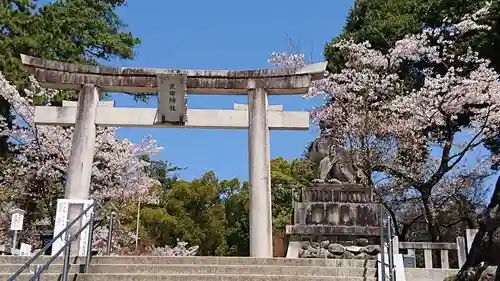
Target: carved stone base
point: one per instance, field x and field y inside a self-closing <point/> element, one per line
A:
<point x="332" y="230"/>
<point x="336" y="221"/>
<point x="341" y="214"/>
<point x="344" y="240"/>
<point x="340" y="193"/>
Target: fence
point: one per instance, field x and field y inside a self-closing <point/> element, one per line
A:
<point x="444" y="249"/>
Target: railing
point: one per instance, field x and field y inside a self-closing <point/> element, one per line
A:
<point x="428" y="247"/>
<point x="461" y="247"/>
<point x="69" y="239"/>
<point x="390" y="243"/>
<point x="386" y="241"/>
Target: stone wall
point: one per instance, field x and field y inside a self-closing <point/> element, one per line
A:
<point x="360" y="249"/>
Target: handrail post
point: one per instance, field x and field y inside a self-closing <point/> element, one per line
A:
<point x="391" y="249"/>
<point x="66" y="262"/>
<point x="66" y="248"/>
<point x="382" y="243"/>
<point x="110" y="233"/>
<point x="57" y="236"/>
<point x="88" y="258"/>
<point x="37" y="270"/>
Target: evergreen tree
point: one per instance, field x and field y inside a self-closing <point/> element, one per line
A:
<point x="83" y="31"/>
<point x="382" y="23"/>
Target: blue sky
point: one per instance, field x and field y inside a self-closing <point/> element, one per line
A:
<point x="221" y="34"/>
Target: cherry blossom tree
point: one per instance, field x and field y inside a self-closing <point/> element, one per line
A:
<point x="414" y="115"/>
<point x="36" y="174"/>
<point x="181" y="250"/>
<point x="122" y="239"/>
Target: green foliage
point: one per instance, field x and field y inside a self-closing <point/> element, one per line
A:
<point x="74" y="31"/>
<point x="214" y="214"/>
<point x="382" y="23"/>
<point x="194" y="212"/>
<point x="163" y="172"/>
<point x="83" y="31"/>
<point x="287" y="180"/>
<point x="238" y="222"/>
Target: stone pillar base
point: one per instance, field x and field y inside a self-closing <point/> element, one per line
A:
<point x="293" y="250"/>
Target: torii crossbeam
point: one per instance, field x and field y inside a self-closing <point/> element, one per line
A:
<point x="172" y="87"/>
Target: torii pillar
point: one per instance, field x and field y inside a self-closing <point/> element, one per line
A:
<point x="259" y="176"/>
<point x="172" y="85"/>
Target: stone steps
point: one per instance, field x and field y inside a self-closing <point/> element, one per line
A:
<point x="130" y="268"/>
<point x="188" y="277"/>
<point x="202" y="260"/>
<point x="208" y="269"/>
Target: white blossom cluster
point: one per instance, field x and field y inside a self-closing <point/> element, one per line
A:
<point x="42" y="154"/>
<point x="286" y="60"/>
<point x="369" y="96"/>
<point x="180" y="250"/>
<point x="122" y="239"/>
<point x="412" y="114"/>
<point x="3" y="127"/>
<point x="5" y="208"/>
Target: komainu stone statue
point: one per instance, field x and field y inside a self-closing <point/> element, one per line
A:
<point x="333" y="163"/>
<point x="335" y="216"/>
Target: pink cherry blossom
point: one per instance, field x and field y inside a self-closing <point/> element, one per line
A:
<point x="369" y="98"/>
<point x="39" y="168"/>
<point x="392" y="128"/>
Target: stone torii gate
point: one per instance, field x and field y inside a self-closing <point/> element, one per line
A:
<point x="172" y="87"/>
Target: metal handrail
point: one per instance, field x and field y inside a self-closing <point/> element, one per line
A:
<point x="66" y="246"/>
<point x="382" y="244"/>
<point x="389" y="264"/>
<point x="42" y="251"/>
<point x="390" y="254"/>
<point x="392" y="273"/>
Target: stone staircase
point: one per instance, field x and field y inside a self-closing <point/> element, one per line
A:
<point x="199" y="269"/>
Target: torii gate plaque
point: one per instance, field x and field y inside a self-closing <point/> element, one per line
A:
<point x="172" y="86"/>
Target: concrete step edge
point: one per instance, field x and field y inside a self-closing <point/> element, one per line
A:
<point x="184" y="260"/>
<point x="318" y="263"/>
<point x="193" y="265"/>
<point x="183" y="257"/>
<point x="186" y="275"/>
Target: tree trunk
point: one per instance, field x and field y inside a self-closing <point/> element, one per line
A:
<point x="428" y="215"/>
<point x="5" y="112"/>
<point x="483" y="259"/>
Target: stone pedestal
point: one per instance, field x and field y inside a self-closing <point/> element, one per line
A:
<point x="337" y="221"/>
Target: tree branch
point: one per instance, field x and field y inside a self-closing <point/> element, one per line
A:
<point x="385" y="169"/>
<point x="471" y="144"/>
<point x="445" y="156"/>
<point x="406" y="226"/>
